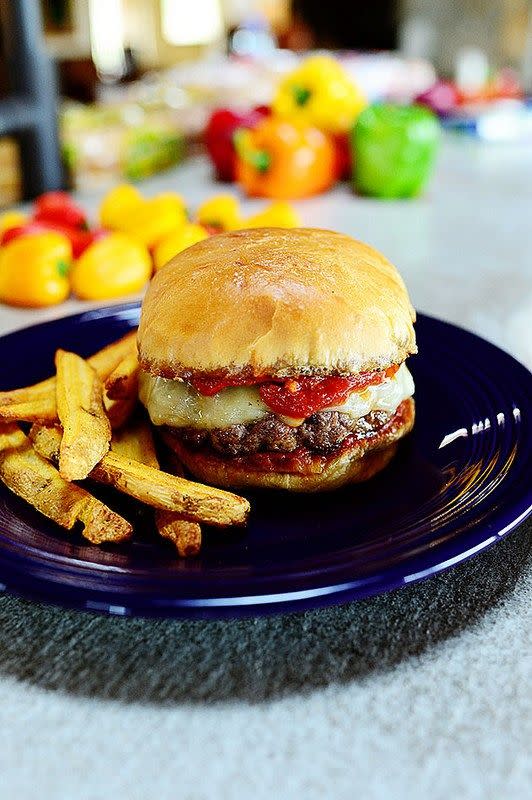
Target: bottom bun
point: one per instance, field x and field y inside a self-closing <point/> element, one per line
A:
<point x="354" y="465"/>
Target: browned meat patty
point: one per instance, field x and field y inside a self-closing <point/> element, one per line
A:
<point x="320" y="433"/>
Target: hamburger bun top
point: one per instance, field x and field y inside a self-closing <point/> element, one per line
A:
<point x="277" y="302"/>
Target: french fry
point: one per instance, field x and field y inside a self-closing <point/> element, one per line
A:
<point x="86" y="429"/>
<point x="119" y="411"/>
<point x="121" y="391"/>
<point x="185" y="535"/>
<point x="192" y="501"/>
<point x="46" y="440"/>
<point x="35" y="402"/>
<point x="123" y="380"/>
<point x="136" y="442"/>
<point x="38" y="403"/>
<point x="107" y="359"/>
<point x="34" y="479"/>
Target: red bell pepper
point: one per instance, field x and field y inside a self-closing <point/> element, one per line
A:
<point x="344" y="157"/>
<point x="58" y="207"/>
<point x="219" y="137"/>
<point x="79" y="240"/>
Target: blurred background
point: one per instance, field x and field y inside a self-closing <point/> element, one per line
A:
<point x="131" y="129"/>
<point x="137" y="80"/>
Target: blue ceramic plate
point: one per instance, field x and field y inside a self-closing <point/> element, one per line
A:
<point x="460" y="482"/>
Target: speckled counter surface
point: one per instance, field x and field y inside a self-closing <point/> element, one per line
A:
<point x="423" y="692"/>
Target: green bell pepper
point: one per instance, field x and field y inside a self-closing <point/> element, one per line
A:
<point x="394" y="148"/>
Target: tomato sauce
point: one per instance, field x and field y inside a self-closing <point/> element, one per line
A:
<point x="298" y="397"/>
<point x="210" y="385"/>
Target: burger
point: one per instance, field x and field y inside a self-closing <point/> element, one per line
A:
<point x="276" y="358"/>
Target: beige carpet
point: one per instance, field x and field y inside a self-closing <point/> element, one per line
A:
<point x="425" y="691"/>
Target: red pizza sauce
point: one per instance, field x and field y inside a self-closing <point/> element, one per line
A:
<point x="297" y="397"/>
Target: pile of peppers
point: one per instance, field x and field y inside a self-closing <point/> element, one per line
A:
<point x="299" y="146"/>
<point x="53" y="253"/>
<point x="318" y="130"/>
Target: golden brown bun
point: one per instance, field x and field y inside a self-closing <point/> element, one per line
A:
<point x="352" y="466"/>
<point x="278" y="302"/>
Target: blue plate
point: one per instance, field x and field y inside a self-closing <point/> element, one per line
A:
<point x="460" y="482"/>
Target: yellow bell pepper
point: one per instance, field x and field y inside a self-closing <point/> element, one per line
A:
<point x="176" y="242"/>
<point x="221" y="212"/>
<point x="148" y="221"/>
<point x="321" y="93"/>
<point x="34" y="269"/>
<point x="12" y="219"/>
<point x="277" y="215"/>
<point x="156" y="218"/>
<point x="117" y="205"/>
<point x="111" y="267"/>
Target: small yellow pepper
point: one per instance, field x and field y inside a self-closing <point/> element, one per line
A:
<point x="117" y="205"/>
<point x="320" y="92"/>
<point x="185" y="237"/>
<point x="12" y="219"/>
<point x="33" y="270"/>
<point x="221" y="212"/>
<point x="277" y="215"/>
<point x="111" y="267"/>
<point x="152" y="220"/>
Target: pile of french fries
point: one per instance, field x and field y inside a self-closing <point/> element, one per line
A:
<point x="86" y="423"/>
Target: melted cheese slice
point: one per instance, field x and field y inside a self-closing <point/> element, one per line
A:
<point x="178" y="405"/>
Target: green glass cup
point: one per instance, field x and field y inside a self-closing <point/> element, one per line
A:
<point x="394" y="149"/>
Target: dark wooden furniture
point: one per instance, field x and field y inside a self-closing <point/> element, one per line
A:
<point x="28" y="107"/>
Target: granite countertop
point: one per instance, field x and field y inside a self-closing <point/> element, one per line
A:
<point x="424" y="691"/>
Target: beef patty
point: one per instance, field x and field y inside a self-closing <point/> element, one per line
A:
<point x="321" y="433"/>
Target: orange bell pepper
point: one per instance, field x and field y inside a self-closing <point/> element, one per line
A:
<point x="284" y="160"/>
<point x="34" y="269"/>
<point x="111" y="267"/>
